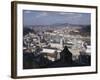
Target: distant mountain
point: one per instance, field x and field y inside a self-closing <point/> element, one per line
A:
<point x="85" y="28"/>
<point x="56" y="25"/>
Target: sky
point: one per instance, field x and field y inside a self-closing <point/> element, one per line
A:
<point x="31" y="17"/>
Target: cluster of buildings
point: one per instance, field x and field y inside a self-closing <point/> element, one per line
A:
<point x="51" y="43"/>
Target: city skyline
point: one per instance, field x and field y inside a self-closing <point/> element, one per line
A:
<point x="56" y="39"/>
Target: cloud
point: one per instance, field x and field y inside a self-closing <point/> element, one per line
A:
<point x="66" y="13"/>
<point x="70" y="14"/>
<point x="42" y="14"/>
<point x="62" y="13"/>
<point x="27" y="11"/>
